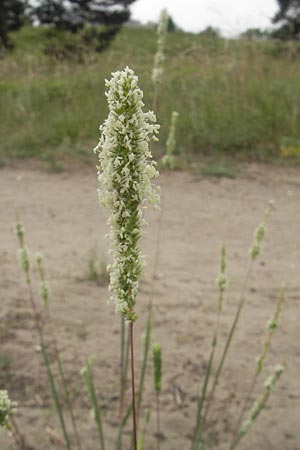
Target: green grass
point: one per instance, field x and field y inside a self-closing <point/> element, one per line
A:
<point x="233" y="97"/>
<point x="220" y="168"/>
<point x="5" y="367"/>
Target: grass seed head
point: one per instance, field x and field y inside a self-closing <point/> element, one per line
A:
<point x="7" y="407"/>
<point x="125" y="172"/>
<point x="222" y="279"/>
<point x="272" y="380"/>
<point x="159" y="58"/>
<point x="24" y="259"/>
<point x="157" y="363"/>
<point x="19" y="231"/>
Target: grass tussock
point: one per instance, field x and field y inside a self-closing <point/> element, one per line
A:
<point x="220" y="168"/>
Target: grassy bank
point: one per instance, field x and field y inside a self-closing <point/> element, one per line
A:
<point x="234" y="97"/>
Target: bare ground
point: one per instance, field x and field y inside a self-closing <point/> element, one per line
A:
<point x="63" y="221"/>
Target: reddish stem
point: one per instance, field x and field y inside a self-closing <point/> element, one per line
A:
<point x="133" y="387"/>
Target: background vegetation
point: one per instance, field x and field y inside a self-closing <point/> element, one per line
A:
<point x="234" y="97"/>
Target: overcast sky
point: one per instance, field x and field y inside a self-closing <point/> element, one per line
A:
<point x="230" y="16"/>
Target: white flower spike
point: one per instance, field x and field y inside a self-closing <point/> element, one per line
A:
<point x="125" y="171"/>
<point x="159" y="58"/>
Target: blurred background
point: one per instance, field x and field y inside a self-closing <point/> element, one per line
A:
<point x="231" y="71"/>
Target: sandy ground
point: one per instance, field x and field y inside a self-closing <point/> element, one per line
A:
<point x="63" y="221"/>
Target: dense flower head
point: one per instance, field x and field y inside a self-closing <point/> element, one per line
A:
<point x="7" y="407"/>
<point x="125" y="171"/>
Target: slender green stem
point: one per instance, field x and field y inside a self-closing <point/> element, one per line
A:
<point x="228" y="341"/>
<point x="47" y="363"/>
<point x="57" y="353"/>
<point x="254" y="252"/>
<point x="246" y="402"/>
<point x="59" y="362"/>
<point x="198" y="429"/>
<point x="261" y="404"/>
<point x="260" y="363"/>
<point x="54" y="391"/>
<point x="88" y="378"/>
<point x="143" y="433"/>
<point x="157" y="421"/>
<point x="133" y="387"/>
<point x="222" y="281"/>
<point x="118" y="444"/>
<point x="67" y="395"/>
<point x="38" y="325"/>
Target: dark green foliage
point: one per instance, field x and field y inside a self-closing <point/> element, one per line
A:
<point x="11" y="19"/>
<point x="54" y="13"/>
<point x="171" y="25"/>
<point x="210" y="32"/>
<point x="289" y="18"/>
<point x="99" y="38"/>
<point x="75" y="15"/>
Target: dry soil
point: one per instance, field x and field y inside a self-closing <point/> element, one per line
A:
<point x="63" y="221"/>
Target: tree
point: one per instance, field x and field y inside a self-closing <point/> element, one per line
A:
<point x="289" y="18"/>
<point x="172" y="26"/>
<point x="210" y="32"/>
<point x="74" y="15"/>
<point x="11" y="18"/>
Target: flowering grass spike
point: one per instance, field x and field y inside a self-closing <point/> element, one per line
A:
<point x="259" y="404"/>
<point x="168" y="161"/>
<point x="44" y="288"/>
<point x="159" y="58"/>
<point x="222" y="279"/>
<point x="125" y="171"/>
<point x="7" y="407"/>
